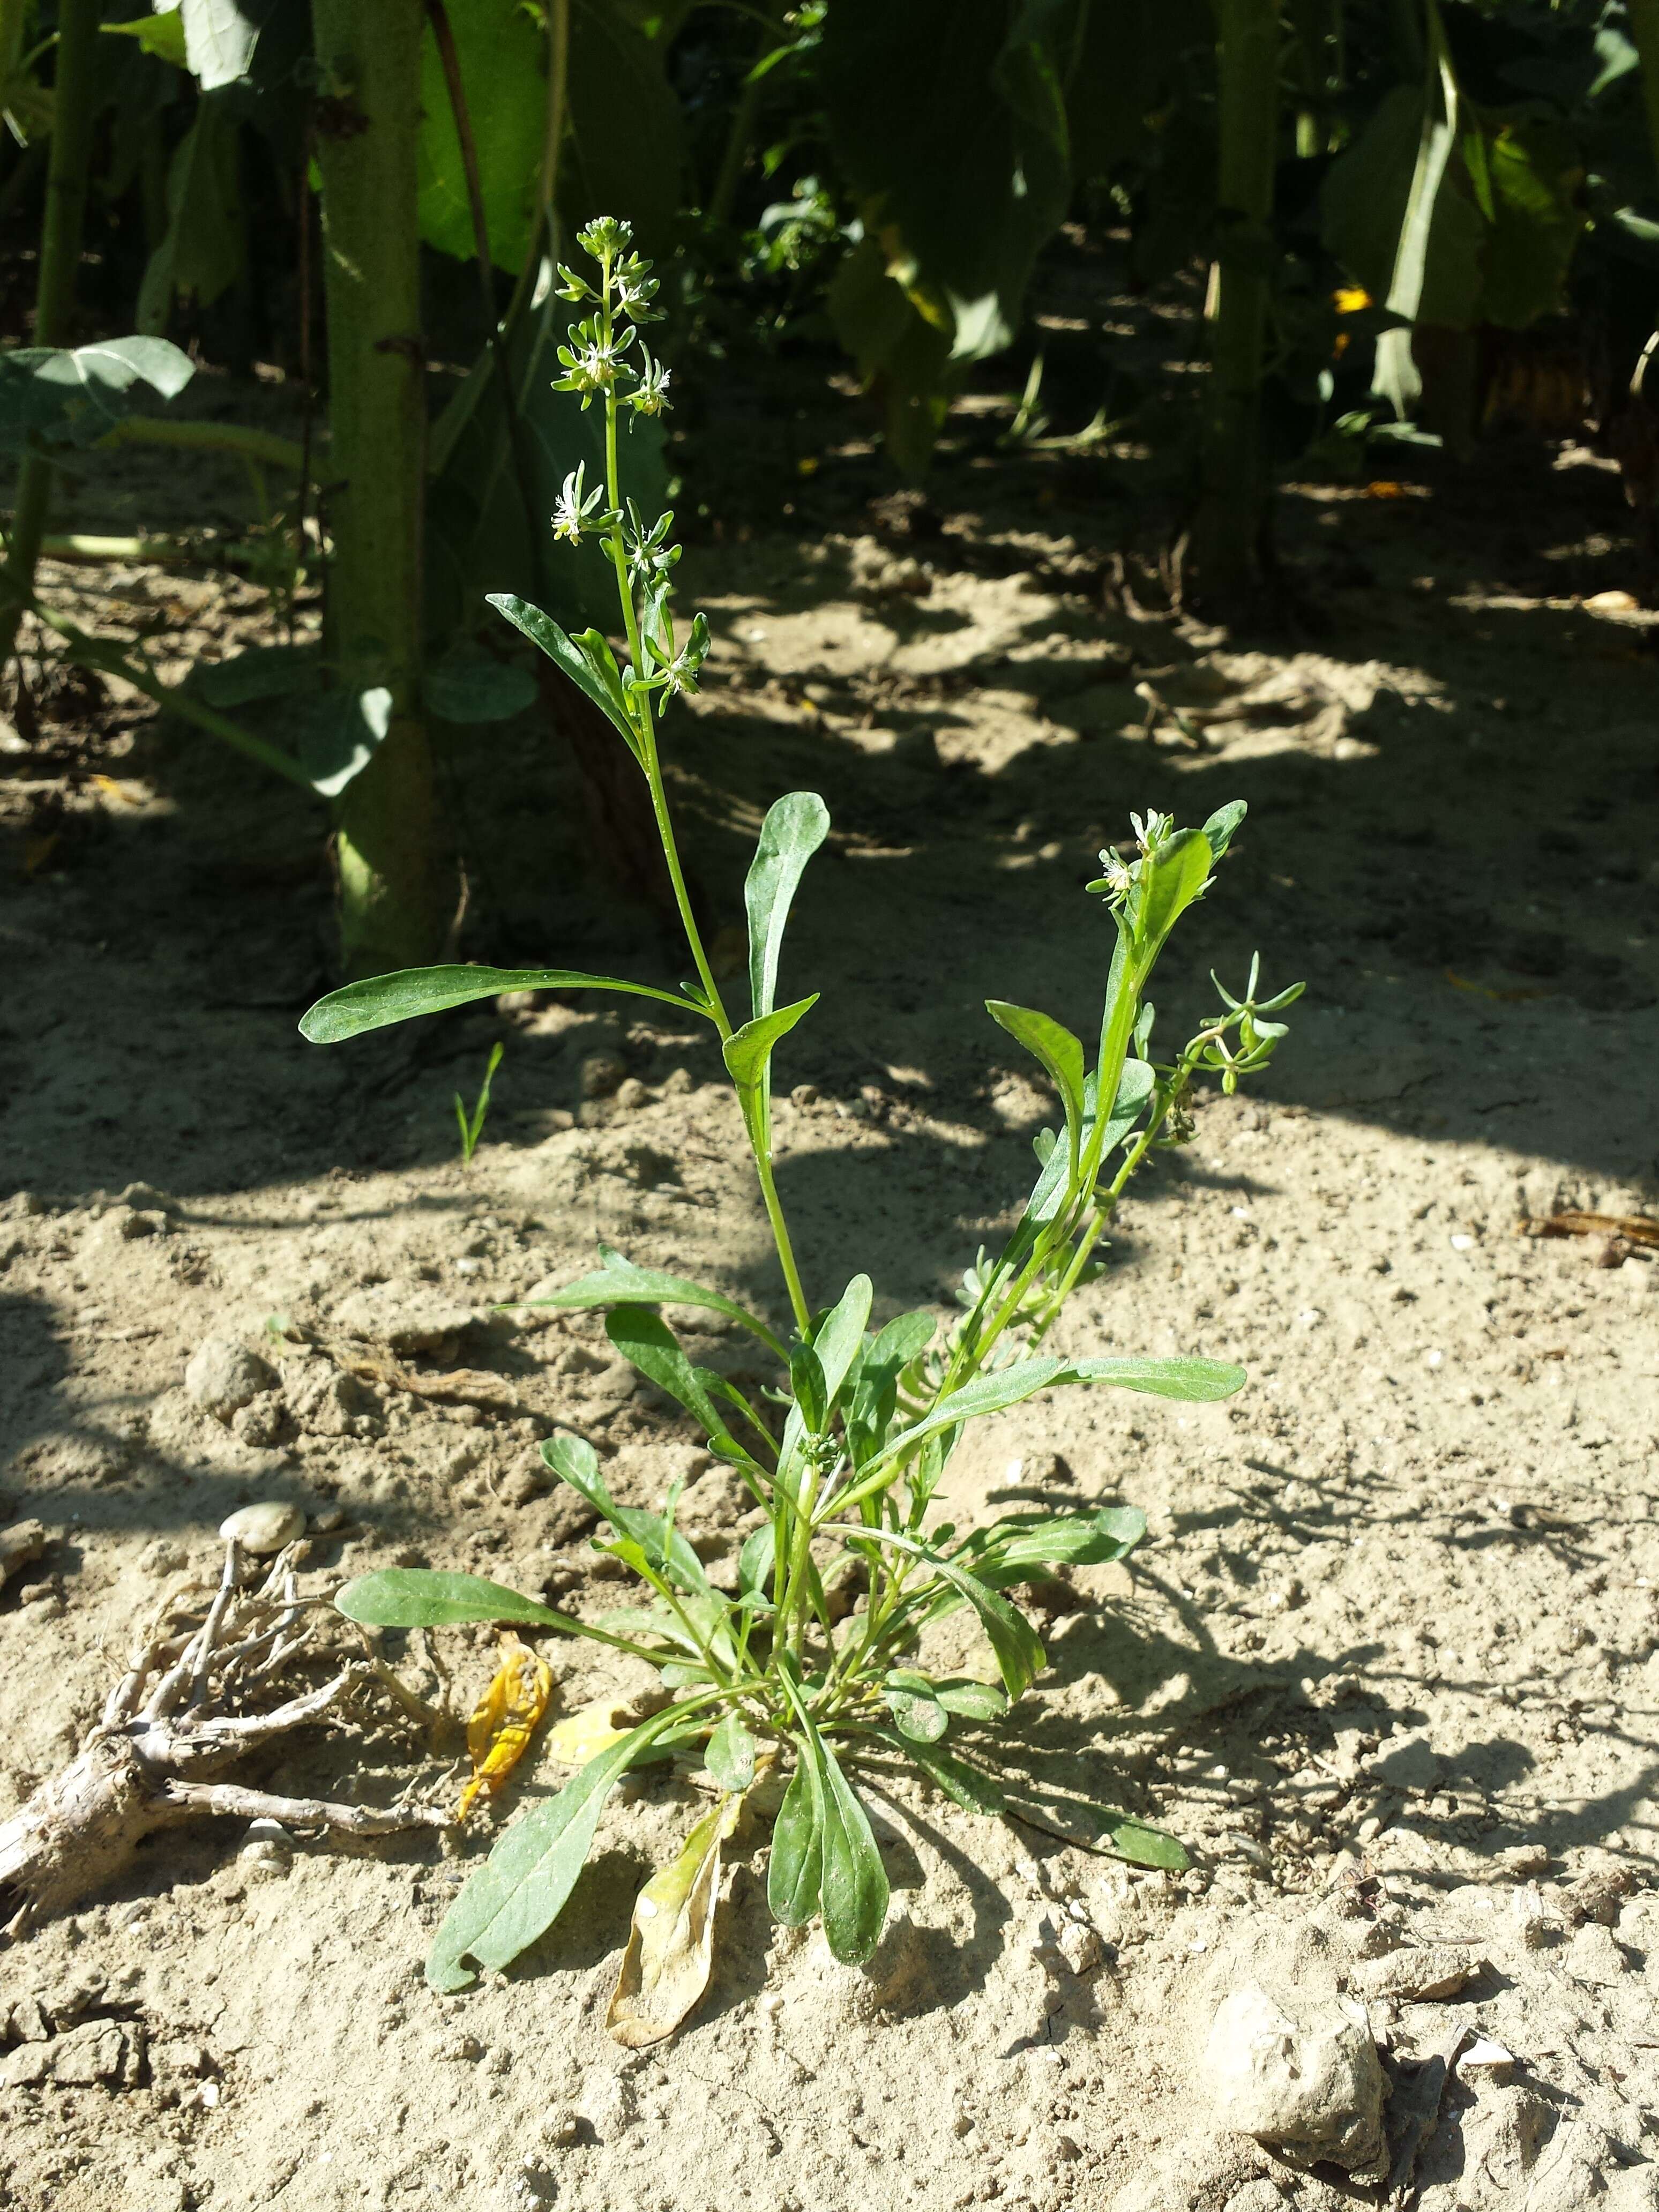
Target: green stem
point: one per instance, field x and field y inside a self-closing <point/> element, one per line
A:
<point x="74" y="95"/>
<point x="774" y="1215"/>
<point x="756" y="1124"/>
<point x="263" y="447"/>
<point x="396" y="893"/>
<point x="97" y="652"/>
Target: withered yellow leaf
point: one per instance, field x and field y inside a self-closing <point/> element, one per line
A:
<point x="505" y="1719"/>
<point x="670" y="1945"/>
<point x="589" y="1730"/>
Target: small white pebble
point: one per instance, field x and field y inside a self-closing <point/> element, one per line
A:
<point x="1483" y="2052"/>
<point x="1434" y="1359"/>
<point x="1463" y="1244"/>
<point x="261" y="1530"/>
<point x="1241" y="1213"/>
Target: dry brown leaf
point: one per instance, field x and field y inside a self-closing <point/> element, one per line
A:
<point x="498" y="1734"/>
<point x="472" y="1386"/>
<point x="1634" y="1228"/>
<point x="670" y="1945"/>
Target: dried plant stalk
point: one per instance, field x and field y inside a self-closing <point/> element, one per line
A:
<point x="186" y="1709"/>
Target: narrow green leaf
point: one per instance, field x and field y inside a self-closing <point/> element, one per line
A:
<point x="807" y="1390"/>
<point x="795" y="826"/>
<point x="974" y="1791"/>
<point x="380" y="1001"/>
<point x="1195" y="1381"/>
<point x="795" y="1873"/>
<point x="748" y="1051"/>
<point x="987" y="1393"/>
<point x="1134" y="1090"/>
<point x="643" y="1337"/>
<point x="620" y="1282"/>
<point x="567" y="655"/>
<point x="521" y="1889"/>
<point x="422" y="1597"/>
<point x="1009" y="1551"/>
<point x="730" y="1754"/>
<point x="841" y="1334"/>
<point x="575" y="1461"/>
<point x="756" y="1559"/>
<point x="1169" y="880"/>
<point x="854" y="1884"/>
<point x="1020" y="1656"/>
<point x="1224" y="825"/>
<point x="160" y="35"/>
<point x="874" y="1394"/>
<point x="1149" y="1847"/>
<point x="1054" y="1045"/>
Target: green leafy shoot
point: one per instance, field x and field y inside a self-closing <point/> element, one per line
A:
<point x="807" y="1659"/>
<point x="472" y="1124"/>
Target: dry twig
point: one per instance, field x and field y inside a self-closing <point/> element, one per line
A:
<point x="182" y="1712"/>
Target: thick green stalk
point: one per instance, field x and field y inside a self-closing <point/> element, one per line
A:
<point x="396" y="885"/>
<point x="73" y="97"/>
<point x="1225" y="561"/>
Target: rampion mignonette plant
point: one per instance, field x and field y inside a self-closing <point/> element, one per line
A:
<point x="777" y="1675"/>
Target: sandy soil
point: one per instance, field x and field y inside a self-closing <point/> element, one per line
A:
<point x="1388" y="1659"/>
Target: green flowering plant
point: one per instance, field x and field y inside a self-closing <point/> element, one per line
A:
<point x="782" y="1673"/>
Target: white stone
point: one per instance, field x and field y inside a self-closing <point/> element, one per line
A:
<point x="1311" y="2086"/>
<point x="262" y="1529"/>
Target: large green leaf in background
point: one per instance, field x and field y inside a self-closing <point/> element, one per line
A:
<point x="1127" y="57"/>
<point x="623" y="153"/>
<point x="948" y="120"/>
<point x="70" y="397"/>
<point x="502" y="58"/>
<point x="1537" y="177"/>
<point x="1502" y="225"/>
<point x="627" y="152"/>
<point x="203" y="250"/>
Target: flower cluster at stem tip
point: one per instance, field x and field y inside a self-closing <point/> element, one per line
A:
<point x="595" y="361"/>
<point x="599" y="361"/>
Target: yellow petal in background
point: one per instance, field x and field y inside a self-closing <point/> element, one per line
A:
<point x="589" y="1730"/>
<point x="502" y="1724"/>
<point x="671" y="1946"/>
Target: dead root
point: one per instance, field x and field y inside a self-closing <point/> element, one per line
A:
<point x="187" y="1708"/>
